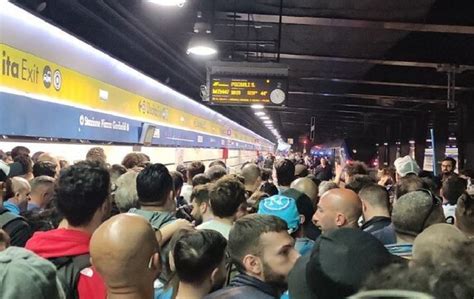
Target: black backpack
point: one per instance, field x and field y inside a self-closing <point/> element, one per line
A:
<point x="69" y="269"/>
<point x="7" y="217"/>
<point x="16" y="226"/>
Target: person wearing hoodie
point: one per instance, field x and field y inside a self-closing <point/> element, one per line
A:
<point x="82" y="197"/>
<point x="264" y="254"/>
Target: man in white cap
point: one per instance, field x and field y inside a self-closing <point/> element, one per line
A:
<point x="406" y="166"/>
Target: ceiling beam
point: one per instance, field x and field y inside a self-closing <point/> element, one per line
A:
<point x="323" y="115"/>
<point x="384" y="83"/>
<point x="309" y="110"/>
<point x="368" y="97"/>
<point x="402" y="63"/>
<point x="347" y="23"/>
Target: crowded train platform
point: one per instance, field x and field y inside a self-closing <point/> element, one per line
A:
<point x="204" y="149"/>
<point x="140" y="230"/>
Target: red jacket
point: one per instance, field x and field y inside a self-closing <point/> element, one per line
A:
<point x="67" y="242"/>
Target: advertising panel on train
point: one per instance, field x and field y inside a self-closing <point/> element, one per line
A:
<point x="74" y="91"/>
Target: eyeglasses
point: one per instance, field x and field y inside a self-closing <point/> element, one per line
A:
<point x="435" y="202"/>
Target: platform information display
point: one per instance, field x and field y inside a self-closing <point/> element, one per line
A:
<point x="248" y="91"/>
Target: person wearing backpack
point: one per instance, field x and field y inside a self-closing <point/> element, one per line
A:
<point x="82" y="197"/>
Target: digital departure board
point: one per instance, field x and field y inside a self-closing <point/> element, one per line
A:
<point x="245" y="91"/>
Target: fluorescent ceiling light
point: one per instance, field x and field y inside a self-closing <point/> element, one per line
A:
<point x="267" y="122"/>
<point x="202" y="44"/>
<point x="260" y="113"/>
<point x="201" y="50"/>
<point x="179" y="3"/>
<point x="256" y="106"/>
<point x="264" y="117"/>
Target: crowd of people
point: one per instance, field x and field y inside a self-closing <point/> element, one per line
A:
<point x="275" y="228"/>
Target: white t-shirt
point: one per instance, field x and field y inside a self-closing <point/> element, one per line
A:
<point x="449" y="213"/>
<point x="186" y="191"/>
<point x="218" y="226"/>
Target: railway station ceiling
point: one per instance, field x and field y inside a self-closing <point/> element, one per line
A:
<point x="359" y="66"/>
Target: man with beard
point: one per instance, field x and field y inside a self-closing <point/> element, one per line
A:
<point x="201" y="211"/>
<point x="448" y="165"/>
<point x="264" y="254"/>
<point x="199" y="261"/>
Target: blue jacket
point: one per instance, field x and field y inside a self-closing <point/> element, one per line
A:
<point x="245" y="287"/>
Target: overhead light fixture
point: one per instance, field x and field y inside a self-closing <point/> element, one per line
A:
<point x="256" y="106"/>
<point x="260" y="113"/>
<point x="267" y="122"/>
<point x="178" y="3"/>
<point x="202" y="43"/>
<point x="264" y="117"/>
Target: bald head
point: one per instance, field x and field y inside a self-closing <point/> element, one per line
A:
<point x="338" y="208"/>
<point x="20" y="190"/>
<point x="124" y="251"/>
<point x="20" y="184"/>
<point x="437" y="243"/>
<point x="346" y="201"/>
<point x="306" y="186"/>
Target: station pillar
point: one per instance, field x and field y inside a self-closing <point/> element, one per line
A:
<point x="420" y="132"/>
<point x="465" y="134"/>
<point x="441" y="131"/>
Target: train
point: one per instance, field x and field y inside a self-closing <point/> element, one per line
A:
<point x="61" y="94"/>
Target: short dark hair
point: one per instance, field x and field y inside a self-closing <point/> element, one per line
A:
<point x="218" y="162"/>
<point x="285" y="172"/>
<point x="453" y="187"/>
<point x="197" y="253"/>
<point x="356" y="167"/>
<point x="96" y="154"/>
<point x="182" y="169"/>
<point x="154" y="183"/>
<point x="408" y="184"/>
<point x="135" y="159"/>
<point x="358" y="182"/>
<point x="81" y="190"/>
<point x="226" y="195"/>
<point x="178" y="180"/>
<point x="266" y="174"/>
<point x="244" y="237"/>
<point x="200" y="179"/>
<point x="269" y="188"/>
<point x="194" y="168"/>
<point x="450" y="159"/>
<point x="251" y="172"/>
<point x="200" y="194"/>
<point x="376" y="196"/>
<point x="19" y="151"/>
<point x="215" y="172"/>
<point x="44" y="168"/>
<point x="26" y="163"/>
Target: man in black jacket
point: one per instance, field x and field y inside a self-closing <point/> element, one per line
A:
<point x="264" y="254"/>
